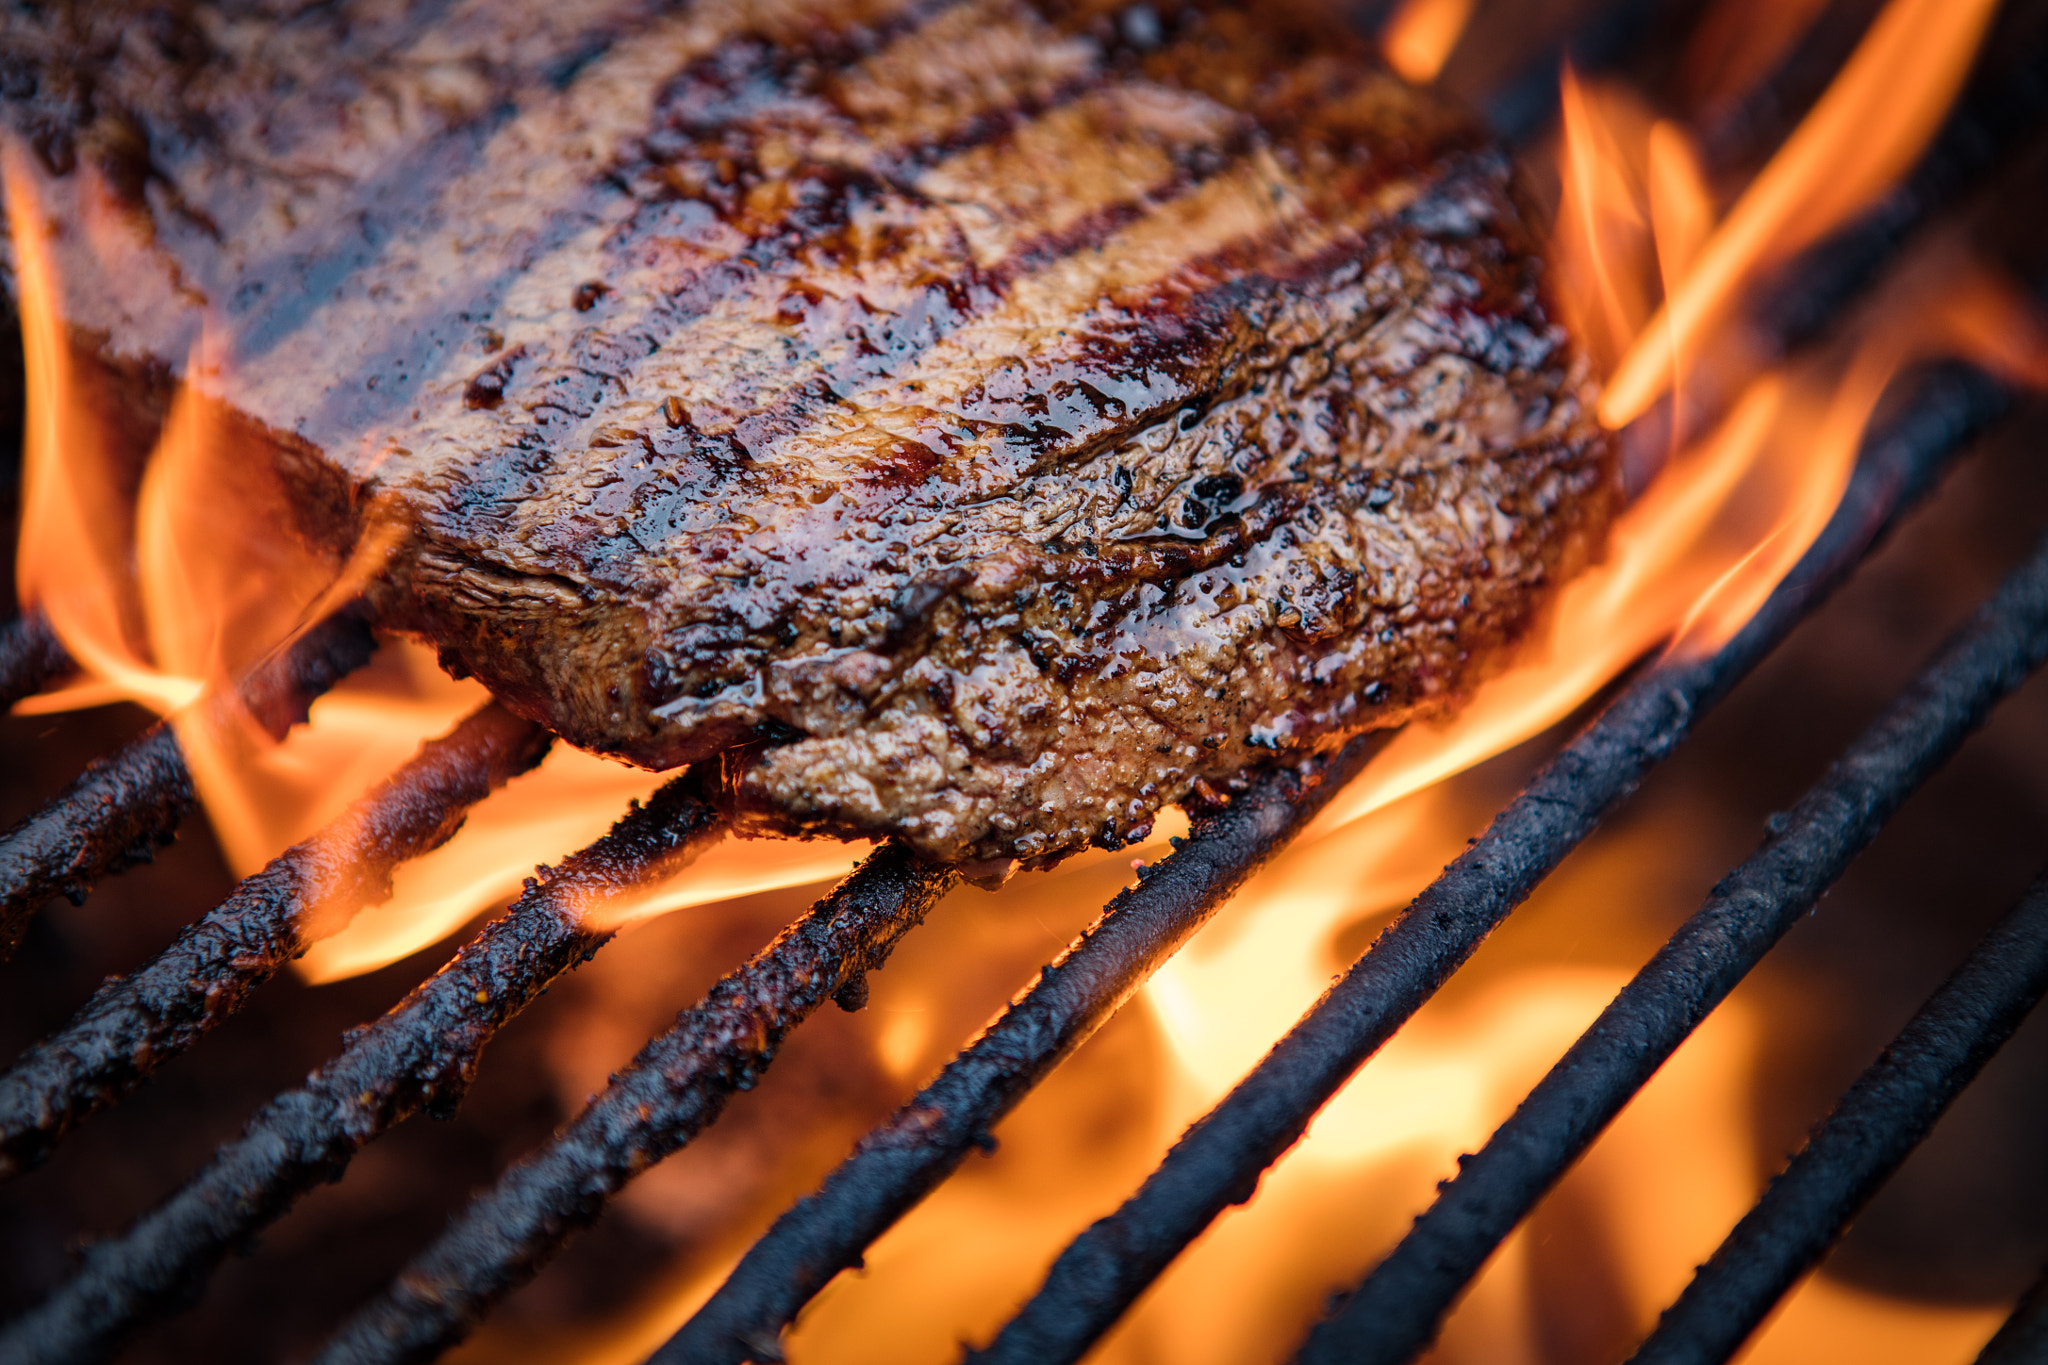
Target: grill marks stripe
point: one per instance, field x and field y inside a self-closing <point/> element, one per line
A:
<point x="1047" y="409"/>
<point x="861" y="321"/>
<point x="653" y="298"/>
<point x="490" y="236"/>
<point x="727" y="283"/>
<point x="839" y="398"/>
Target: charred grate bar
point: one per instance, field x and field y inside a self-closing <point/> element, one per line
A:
<point x="30" y="657"/>
<point x="116" y="814"/>
<point x="675" y="1088"/>
<point x="124" y="807"/>
<point x="898" y="1164"/>
<point x="1397" y="1309"/>
<point x="1219" y="1160"/>
<point x="134" y="1024"/>
<point x="1879" y="1121"/>
<point x="2021" y="1339"/>
<point x="420" y="1055"/>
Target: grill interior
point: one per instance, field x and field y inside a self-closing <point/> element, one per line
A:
<point x="1961" y="1222"/>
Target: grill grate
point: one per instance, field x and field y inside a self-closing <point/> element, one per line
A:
<point x="30" y="657"/>
<point x="135" y="1024"/>
<point x="1878" y="1123"/>
<point x="419" y="1056"/>
<point x="2024" y="1336"/>
<point x="675" y="1088"/>
<point x="422" y="1054"/>
<point x="1563" y="805"/>
<point x="1398" y="1309"/>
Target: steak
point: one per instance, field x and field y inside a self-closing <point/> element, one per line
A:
<point x="982" y="423"/>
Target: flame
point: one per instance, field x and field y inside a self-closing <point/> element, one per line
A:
<point x="567" y="802"/>
<point x="1866" y="130"/>
<point x="1603" y="237"/>
<point x="72" y="557"/>
<point x="1419" y="36"/>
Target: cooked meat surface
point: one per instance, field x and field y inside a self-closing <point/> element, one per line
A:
<point x="983" y="422"/>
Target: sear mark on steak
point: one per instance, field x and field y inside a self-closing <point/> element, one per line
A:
<point x="984" y="423"/>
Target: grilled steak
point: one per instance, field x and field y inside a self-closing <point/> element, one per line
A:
<point x="983" y="423"/>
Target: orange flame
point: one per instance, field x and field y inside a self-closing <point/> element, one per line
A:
<point x="1419" y="36"/>
<point x="1603" y="236"/>
<point x="1866" y="130"/>
<point x="72" y="556"/>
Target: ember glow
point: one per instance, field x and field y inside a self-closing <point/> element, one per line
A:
<point x="168" y="582"/>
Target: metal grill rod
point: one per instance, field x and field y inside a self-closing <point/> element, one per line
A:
<point x="896" y="1165"/>
<point x="1397" y="1310"/>
<point x="1877" y="1124"/>
<point x="125" y="806"/>
<point x="2021" y="1339"/>
<point x="1219" y="1160"/>
<point x="675" y="1088"/>
<point x="136" y="1023"/>
<point x="419" y="1055"/>
<point x="30" y="657"/>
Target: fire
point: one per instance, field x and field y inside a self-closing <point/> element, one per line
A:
<point x="1419" y="37"/>
<point x="73" y="551"/>
<point x="143" y="572"/>
<point x="1866" y="131"/>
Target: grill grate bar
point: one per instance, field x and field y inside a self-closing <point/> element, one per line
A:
<point x="419" y="1055"/>
<point x="1219" y="1160"/>
<point x="115" y="814"/>
<point x="1877" y="1124"/>
<point x="124" y="807"/>
<point x="2021" y="1339"/>
<point x="897" y="1164"/>
<point x="134" y="1024"/>
<point x="30" y="656"/>
<point x="675" y="1088"/>
<point x="1397" y="1309"/>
